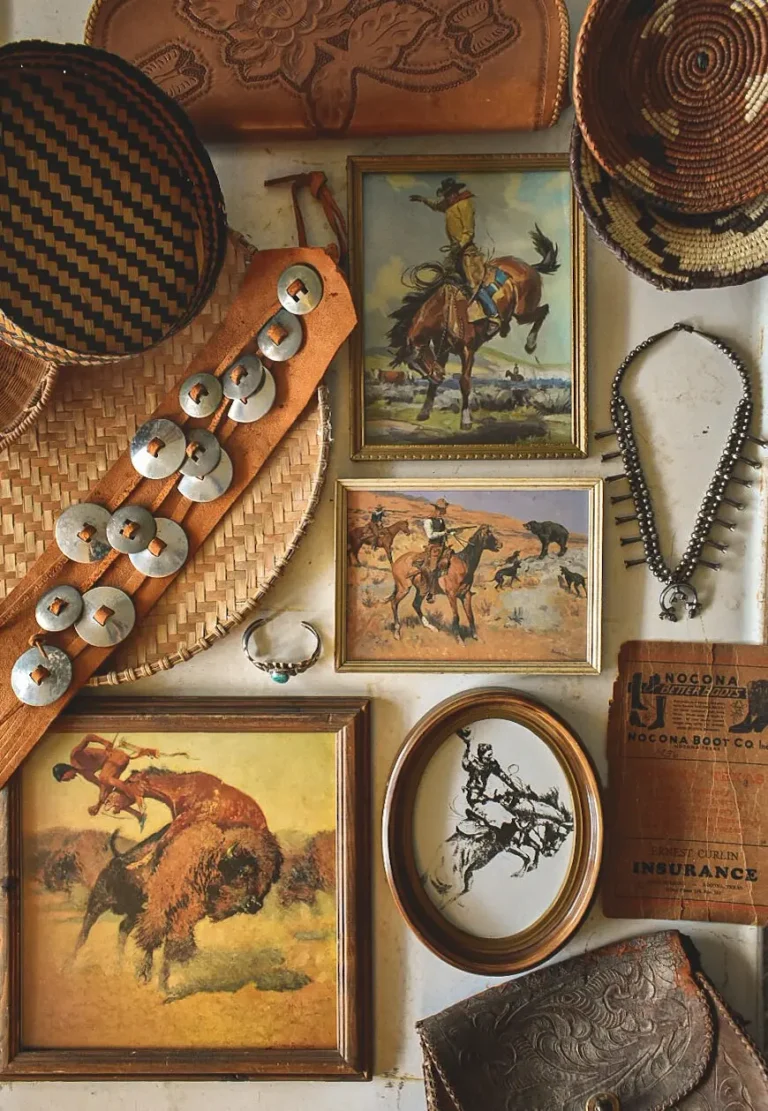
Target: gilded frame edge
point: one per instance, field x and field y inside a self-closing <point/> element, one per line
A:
<point x="578" y="892"/>
<point x="591" y="665"/>
<point x="357" y="167"/>
<point x="349" y="718"/>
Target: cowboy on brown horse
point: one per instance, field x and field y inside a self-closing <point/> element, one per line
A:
<point x="437" y="319"/>
<point x="464" y="256"/>
<point x="438" y="552"/>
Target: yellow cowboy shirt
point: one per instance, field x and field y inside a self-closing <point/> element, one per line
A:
<point x="460" y="221"/>
<point x="459" y="218"/>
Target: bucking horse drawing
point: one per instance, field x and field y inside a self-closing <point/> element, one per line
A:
<point x="433" y="321"/>
<point x="534" y="828"/>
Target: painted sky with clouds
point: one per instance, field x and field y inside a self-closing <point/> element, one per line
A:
<point x="399" y="233"/>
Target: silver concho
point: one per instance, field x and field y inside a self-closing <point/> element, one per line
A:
<point x="59" y="608"/>
<point x="157" y="449"/>
<point x="257" y="406"/>
<point x="41" y="675"/>
<point x="281" y="337"/>
<point x="130" y="528"/>
<point x="200" y="395"/>
<point x="81" y="532"/>
<point x="243" y="378"/>
<point x="300" y="289"/>
<point x="167" y="553"/>
<point x="212" y="486"/>
<point x="202" y="453"/>
<point x="107" y="618"/>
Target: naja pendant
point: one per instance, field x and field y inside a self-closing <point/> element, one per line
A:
<point x="675" y="594"/>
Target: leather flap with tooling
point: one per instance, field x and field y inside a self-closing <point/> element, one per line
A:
<point x="628" y="1020"/>
<point x="295" y="68"/>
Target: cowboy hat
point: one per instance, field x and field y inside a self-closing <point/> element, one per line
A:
<point x="671" y="250"/>
<point x="441" y="503"/>
<point x="670" y="98"/>
<point x="449" y="185"/>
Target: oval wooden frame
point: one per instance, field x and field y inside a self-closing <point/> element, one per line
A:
<point x="522" y="951"/>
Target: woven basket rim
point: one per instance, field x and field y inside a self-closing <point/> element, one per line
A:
<point x="37" y="401"/>
<point x="593" y="48"/>
<point x="672" y="282"/>
<point x="176" y="119"/>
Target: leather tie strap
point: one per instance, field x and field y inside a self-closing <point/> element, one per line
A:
<point x="249" y="446"/>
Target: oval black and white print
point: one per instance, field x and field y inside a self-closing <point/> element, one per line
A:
<point x="493" y="828"/>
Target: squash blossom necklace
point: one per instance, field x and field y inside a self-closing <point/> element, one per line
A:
<point x="677" y="587"/>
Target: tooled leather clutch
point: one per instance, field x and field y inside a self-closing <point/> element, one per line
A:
<point x="631" y="1027"/>
<point x="294" y="68"/>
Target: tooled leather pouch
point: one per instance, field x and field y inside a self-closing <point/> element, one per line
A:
<point x="631" y="1027"/>
<point x="296" y="68"/>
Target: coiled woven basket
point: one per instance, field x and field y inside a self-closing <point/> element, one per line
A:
<point x="672" y="98"/>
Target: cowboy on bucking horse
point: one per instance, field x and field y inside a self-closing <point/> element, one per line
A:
<point x="465" y="258"/>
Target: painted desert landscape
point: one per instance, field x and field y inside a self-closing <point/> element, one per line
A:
<point x="527" y="608"/>
<point x="256" y="970"/>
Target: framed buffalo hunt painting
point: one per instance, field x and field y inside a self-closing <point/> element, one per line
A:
<point x="483" y="575"/>
<point x="469" y="278"/>
<point x="492" y="831"/>
<point x="187" y="893"/>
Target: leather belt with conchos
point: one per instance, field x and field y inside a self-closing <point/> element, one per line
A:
<point x="116" y="552"/>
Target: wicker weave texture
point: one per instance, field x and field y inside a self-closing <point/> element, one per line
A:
<point x="26" y="385"/>
<point x="112" y="224"/>
<point x="88" y="423"/>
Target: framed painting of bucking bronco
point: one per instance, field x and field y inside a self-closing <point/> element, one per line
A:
<point x="469" y="279"/>
<point x="486" y="575"/>
<point x="186" y="893"/>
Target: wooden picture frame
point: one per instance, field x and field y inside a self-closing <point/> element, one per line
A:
<point x="515" y="406"/>
<point x="492" y="956"/>
<point x="342" y="727"/>
<point x="533" y="621"/>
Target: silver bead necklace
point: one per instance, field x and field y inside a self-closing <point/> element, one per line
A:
<point x="677" y="585"/>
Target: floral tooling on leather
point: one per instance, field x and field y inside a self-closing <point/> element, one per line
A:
<point x="319" y="48"/>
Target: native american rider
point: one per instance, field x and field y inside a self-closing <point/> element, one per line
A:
<point x="464" y="256"/>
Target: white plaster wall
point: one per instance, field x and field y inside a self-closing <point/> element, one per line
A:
<point x="688" y="396"/>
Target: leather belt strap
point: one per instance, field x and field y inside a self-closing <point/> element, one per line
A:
<point x="249" y="445"/>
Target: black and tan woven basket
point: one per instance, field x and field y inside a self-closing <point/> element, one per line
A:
<point x="672" y="99"/>
<point x="112" y="225"/>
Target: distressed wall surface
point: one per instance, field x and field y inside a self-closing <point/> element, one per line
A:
<point x="685" y="402"/>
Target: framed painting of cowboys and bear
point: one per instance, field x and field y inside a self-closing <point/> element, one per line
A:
<point x="469" y="575"/>
<point x="190" y="892"/>
<point x="470" y="284"/>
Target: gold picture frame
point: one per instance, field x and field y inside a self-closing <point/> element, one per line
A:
<point x="541" y="601"/>
<point x="536" y="395"/>
<point x="409" y="882"/>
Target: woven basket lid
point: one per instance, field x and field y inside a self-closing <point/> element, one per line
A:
<point x="672" y="98"/>
<point x="671" y="250"/>
<point x="112" y="225"/>
<point x="88" y="424"/>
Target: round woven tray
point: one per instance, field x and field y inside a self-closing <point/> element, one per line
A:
<point x="671" y="98"/>
<point x="88" y="423"/>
